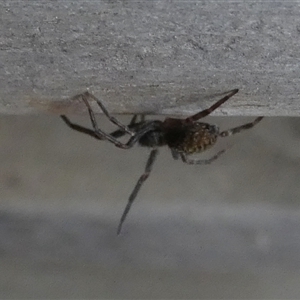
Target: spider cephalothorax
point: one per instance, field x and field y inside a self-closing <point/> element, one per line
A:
<point x="183" y="136"/>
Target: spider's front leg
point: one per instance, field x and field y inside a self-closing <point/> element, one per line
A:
<point x="209" y="110"/>
<point x="117" y="133"/>
<point x="135" y="136"/>
<point x="80" y="128"/>
<point x="85" y="96"/>
<point x="100" y="133"/>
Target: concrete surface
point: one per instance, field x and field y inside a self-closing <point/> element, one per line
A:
<point x="168" y="57"/>
<point x="228" y="230"/>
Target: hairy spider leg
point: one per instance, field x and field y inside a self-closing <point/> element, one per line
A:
<point x="189" y="161"/>
<point x="209" y="110"/>
<point x="137" y="187"/>
<point x="90" y="132"/>
<point x="87" y="95"/>
<point x="103" y="135"/>
<point x="120" y="132"/>
<point x="240" y="128"/>
<point x="80" y="128"/>
<point x="98" y="131"/>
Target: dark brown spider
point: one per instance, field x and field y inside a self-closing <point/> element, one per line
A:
<point x="183" y="136"/>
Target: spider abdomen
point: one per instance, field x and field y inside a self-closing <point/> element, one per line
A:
<point x="193" y="138"/>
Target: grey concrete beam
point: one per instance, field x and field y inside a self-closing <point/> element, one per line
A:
<point x="156" y="57"/>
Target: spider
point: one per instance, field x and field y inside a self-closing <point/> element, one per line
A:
<point x="183" y="136"/>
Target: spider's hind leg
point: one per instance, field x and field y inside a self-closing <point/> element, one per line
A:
<point x="240" y="128"/>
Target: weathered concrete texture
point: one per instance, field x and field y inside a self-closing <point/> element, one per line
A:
<point x="156" y="56"/>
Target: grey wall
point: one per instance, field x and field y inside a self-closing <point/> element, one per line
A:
<point x="227" y="230"/>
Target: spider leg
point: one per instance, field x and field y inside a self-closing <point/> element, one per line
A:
<point x="90" y="132"/>
<point x="120" y="132"/>
<point x="103" y="135"/>
<point x="189" y="161"/>
<point x="240" y="128"/>
<point x="175" y="154"/>
<point x="137" y="187"/>
<point x="133" y="120"/>
<point x="131" y="125"/>
<point x="87" y="95"/>
<point x="80" y="128"/>
<point x="112" y="137"/>
<point x="209" y="110"/>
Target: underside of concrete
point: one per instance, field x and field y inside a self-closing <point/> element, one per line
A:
<point x="158" y="57"/>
